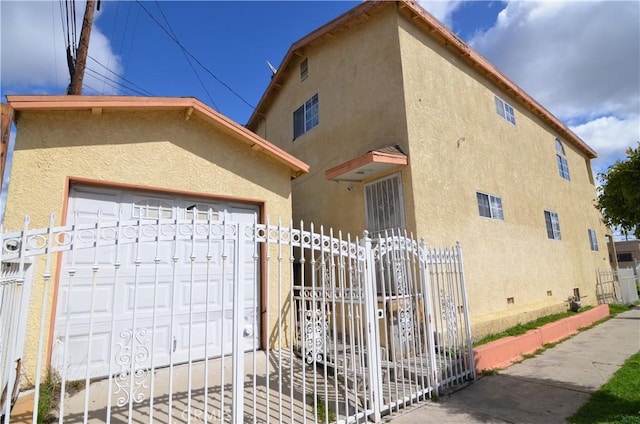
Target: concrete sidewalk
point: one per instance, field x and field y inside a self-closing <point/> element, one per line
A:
<point x="545" y="389"/>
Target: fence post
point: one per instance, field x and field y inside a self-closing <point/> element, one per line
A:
<point x="237" y="355"/>
<point x="463" y="289"/>
<point x="427" y="298"/>
<point x="374" y="366"/>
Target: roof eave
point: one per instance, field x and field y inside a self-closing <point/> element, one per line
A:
<point x="189" y="104"/>
<point x="442" y="35"/>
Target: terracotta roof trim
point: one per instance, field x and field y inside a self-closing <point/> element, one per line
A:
<point x="190" y="104"/>
<point x="374" y="156"/>
<point x="477" y="62"/>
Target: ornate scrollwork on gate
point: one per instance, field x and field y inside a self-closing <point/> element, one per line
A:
<point x="448" y="310"/>
<point x="316" y="327"/>
<point x="399" y="278"/>
<point x="132" y="351"/>
<point x="405" y="321"/>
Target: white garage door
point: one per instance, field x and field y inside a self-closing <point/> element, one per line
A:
<point x="173" y="297"/>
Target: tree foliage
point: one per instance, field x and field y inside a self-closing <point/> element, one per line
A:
<point x="619" y="195"/>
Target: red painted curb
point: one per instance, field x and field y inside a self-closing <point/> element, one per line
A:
<point x="504" y="352"/>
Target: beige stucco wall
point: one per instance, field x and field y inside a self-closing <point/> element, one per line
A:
<point x="159" y="150"/>
<point x="458" y="145"/>
<point x="404" y="88"/>
<point x="363" y="60"/>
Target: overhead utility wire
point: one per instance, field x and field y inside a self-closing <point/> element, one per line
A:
<point x="187" y="58"/>
<point x="193" y="57"/>
<point x="146" y="92"/>
<point x="114" y="83"/>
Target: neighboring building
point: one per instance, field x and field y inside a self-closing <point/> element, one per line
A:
<point x="628" y="254"/>
<point x="405" y="126"/>
<point x="133" y="158"/>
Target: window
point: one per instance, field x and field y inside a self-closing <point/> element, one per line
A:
<point x="490" y="206"/>
<point x="384" y="204"/>
<point x="553" y="225"/>
<point x="505" y="110"/>
<point x="563" y="166"/>
<point x="624" y="257"/>
<point x="306" y="117"/>
<point x="152" y="209"/>
<point x="203" y="212"/>
<point x="593" y="241"/>
<point x="304" y="70"/>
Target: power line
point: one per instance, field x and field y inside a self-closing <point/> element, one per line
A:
<point x="146" y="92"/>
<point x="194" y="58"/>
<point x="187" y="58"/>
<point x="114" y="83"/>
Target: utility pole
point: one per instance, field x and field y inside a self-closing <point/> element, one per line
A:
<point x="83" y="49"/>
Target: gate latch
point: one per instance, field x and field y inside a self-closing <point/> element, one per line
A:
<point x="380" y="313"/>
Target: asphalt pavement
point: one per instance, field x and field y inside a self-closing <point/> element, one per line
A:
<point x="545" y="389"/>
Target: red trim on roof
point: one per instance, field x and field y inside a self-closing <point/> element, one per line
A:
<point x="191" y="105"/>
<point x="441" y="34"/>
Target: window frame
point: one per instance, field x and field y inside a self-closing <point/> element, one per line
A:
<point x="593" y="239"/>
<point x="505" y="110"/>
<point x="496" y="211"/>
<point x="306" y="117"/>
<point x="552" y="223"/>
<point x="304" y="69"/>
<point x="561" y="160"/>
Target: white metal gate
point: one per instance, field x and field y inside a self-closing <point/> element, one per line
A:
<point x="351" y="328"/>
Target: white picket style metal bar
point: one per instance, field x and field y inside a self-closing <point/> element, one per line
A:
<point x="229" y="321"/>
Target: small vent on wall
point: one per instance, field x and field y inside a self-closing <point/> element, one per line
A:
<point x="510" y="300"/>
<point x="549" y="293"/>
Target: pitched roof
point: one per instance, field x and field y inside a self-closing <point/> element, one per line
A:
<point x="441" y="34"/>
<point x="190" y="105"/>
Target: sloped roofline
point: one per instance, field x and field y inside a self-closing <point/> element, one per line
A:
<point x="190" y="105"/>
<point x="438" y="32"/>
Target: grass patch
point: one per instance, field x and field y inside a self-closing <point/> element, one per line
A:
<point x="617" y="401"/>
<point x="523" y="328"/>
<point x="614" y="309"/>
<point x="323" y="412"/>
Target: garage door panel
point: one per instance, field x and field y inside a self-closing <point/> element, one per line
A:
<point x="148" y="296"/>
<point x="80" y="302"/>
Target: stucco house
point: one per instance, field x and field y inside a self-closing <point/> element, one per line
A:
<point x="404" y="126"/>
<point x="136" y="158"/>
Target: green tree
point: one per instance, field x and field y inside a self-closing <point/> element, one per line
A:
<point x="619" y="195"/>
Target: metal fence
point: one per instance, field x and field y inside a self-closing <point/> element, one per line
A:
<point x="213" y="321"/>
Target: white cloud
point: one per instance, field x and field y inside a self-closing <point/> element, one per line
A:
<point x="610" y="137"/>
<point x="441" y="9"/>
<point x="580" y="60"/>
<point x="33" y="54"/>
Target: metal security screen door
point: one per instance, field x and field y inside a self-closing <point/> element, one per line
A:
<point x="384" y="204"/>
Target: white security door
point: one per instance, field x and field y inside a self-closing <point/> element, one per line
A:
<point x="108" y="315"/>
<point x="384" y="204"/>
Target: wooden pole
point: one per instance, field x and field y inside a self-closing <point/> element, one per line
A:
<point x="83" y="49"/>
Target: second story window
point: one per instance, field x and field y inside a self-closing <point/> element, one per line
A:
<point x="306" y="117"/>
<point x="553" y="225"/>
<point x="505" y="110"/>
<point x="561" y="158"/>
<point x="593" y="240"/>
<point x="304" y="70"/>
<point x="490" y="206"/>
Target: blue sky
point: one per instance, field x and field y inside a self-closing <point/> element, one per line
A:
<point x="579" y="59"/>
